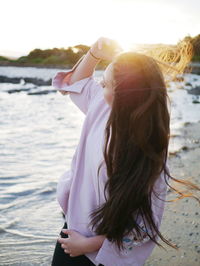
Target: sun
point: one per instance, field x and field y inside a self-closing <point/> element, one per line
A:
<point x="126" y="44"/>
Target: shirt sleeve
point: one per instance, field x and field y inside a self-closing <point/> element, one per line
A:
<point x="81" y="92"/>
<point x="135" y="251"/>
<point x="63" y="189"/>
<point x="64" y="185"/>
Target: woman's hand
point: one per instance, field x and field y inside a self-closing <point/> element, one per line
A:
<point x="105" y="48"/>
<point x="78" y="244"/>
<point x="75" y="244"/>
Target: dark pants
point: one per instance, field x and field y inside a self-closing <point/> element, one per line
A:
<point x="60" y="258"/>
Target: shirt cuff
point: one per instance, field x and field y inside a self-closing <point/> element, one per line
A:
<point x="57" y="81"/>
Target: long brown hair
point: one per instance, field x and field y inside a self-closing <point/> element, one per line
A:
<point x="136" y="141"/>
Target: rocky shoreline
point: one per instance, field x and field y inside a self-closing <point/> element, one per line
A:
<point x="194" y="66"/>
<point x="37" y="82"/>
<point x="17" y="80"/>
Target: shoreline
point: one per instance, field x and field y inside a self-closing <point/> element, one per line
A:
<point x="8" y="64"/>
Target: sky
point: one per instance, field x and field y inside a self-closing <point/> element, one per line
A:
<point x="29" y="24"/>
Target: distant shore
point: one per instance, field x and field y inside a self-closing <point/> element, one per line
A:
<point x="33" y="65"/>
<point x="42" y="66"/>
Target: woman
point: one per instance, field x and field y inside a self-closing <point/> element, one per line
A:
<point x="114" y="194"/>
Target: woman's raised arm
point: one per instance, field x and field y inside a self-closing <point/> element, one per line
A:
<point x="103" y="48"/>
<point x="79" y="81"/>
<point x="84" y="68"/>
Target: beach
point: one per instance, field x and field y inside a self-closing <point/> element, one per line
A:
<point x="181" y="218"/>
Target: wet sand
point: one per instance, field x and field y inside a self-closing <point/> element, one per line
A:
<point x="181" y="219"/>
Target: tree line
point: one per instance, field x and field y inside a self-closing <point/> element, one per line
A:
<point x="61" y="57"/>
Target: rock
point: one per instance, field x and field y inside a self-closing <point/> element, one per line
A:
<point x="178" y="79"/>
<point x="19" y="90"/>
<point x="4" y="79"/>
<point x="187" y="124"/>
<point x="174" y="153"/>
<point x="195" y="69"/>
<point x="195" y="101"/>
<point x="188" y="84"/>
<point x="36" y="81"/>
<point x="42" y="92"/>
<point x="194" y="91"/>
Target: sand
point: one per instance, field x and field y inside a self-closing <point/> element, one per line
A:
<point x="180" y="222"/>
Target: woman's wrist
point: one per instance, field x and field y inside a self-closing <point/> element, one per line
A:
<point x="93" y="55"/>
<point x="94" y="243"/>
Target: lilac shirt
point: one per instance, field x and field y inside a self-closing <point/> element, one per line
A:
<point x="79" y="191"/>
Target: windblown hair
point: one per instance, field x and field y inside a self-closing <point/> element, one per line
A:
<point x="136" y="140"/>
